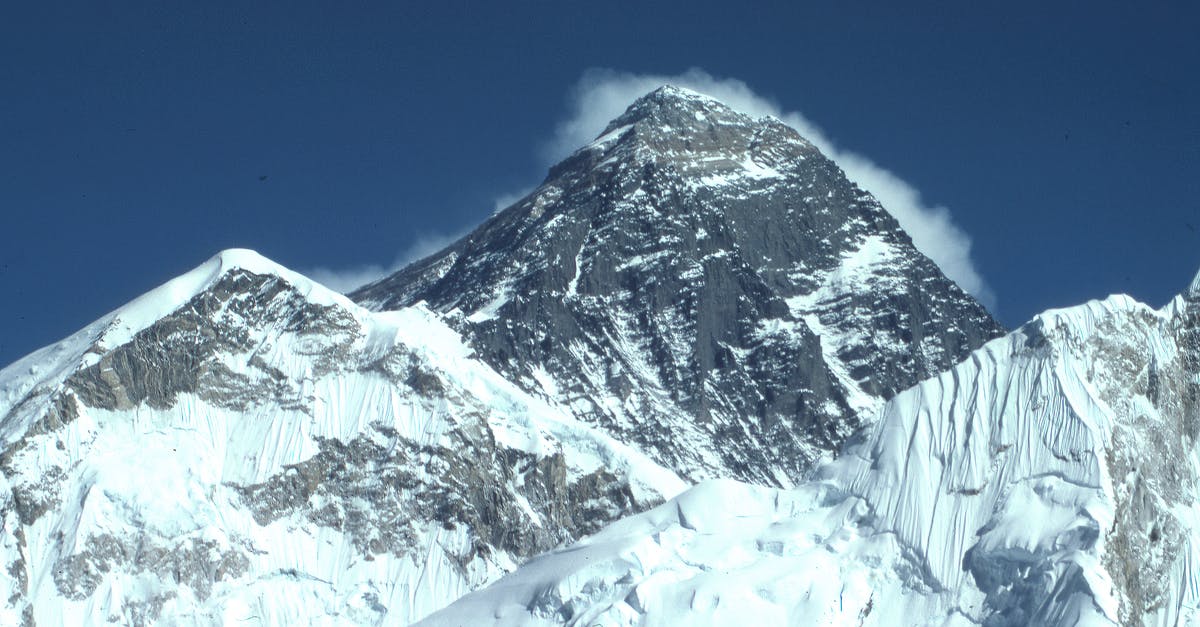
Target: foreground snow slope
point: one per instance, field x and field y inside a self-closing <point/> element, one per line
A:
<point x="1049" y="479"/>
<point x="242" y="445"/>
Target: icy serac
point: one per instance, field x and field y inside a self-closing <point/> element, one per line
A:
<point x="243" y="446"/>
<point x="1052" y="478"/>
<point x="705" y="285"/>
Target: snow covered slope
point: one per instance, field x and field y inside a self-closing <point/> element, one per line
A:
<point x="1051" y="478"/>
<point x="695" y="294"/>
<point x="244" y="446"/>
<point x="705" y="285"/>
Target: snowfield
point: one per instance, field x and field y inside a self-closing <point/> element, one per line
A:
<point x="1050" y="478"/>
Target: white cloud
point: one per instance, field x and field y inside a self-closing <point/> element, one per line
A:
<point x="347" y="279"/>
<point x="504" y="201"/>
<point x="344" y="280"/>
<point x="601" y="95"/>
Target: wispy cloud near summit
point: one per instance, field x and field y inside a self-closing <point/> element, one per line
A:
<point x="601" y="95"/>
<point x="345" y="280"/>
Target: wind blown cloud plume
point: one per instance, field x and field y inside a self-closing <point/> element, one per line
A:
<point x="602" y="95"/>
<point x="347" y="279"/>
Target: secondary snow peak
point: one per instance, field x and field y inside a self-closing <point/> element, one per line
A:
<point x="240" y="437"/>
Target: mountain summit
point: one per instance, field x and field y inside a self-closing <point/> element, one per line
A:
<point x="243" y="445"/>
<point x="696" y="293"/>
<point x="705" y="284"/>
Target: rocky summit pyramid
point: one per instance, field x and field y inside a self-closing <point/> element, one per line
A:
<point x="705" y="285"/>
<point x="695" y="294"/>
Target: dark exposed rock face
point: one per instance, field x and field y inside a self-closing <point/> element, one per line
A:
<point x="181" y="352"/>
<point x="1151" y="451"/>
<point x="196" y="564"/>
<point x="705" y="285"/>
<point x="382" y="489"/>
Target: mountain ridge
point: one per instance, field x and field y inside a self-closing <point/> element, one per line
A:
<point x="701" y="294"/>
<point x="266" y="414"/>
<point x="694" y="265"/>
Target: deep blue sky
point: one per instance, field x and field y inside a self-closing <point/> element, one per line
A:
<point x="1065" y="140"/>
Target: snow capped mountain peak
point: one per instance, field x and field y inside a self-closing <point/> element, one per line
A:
<point x="166" y="298"/>
<point x="699" y="135"/>
<point x="670" y="91"/>
<point x="241" y="437"/>
<point x="247" y="259"/>
<point x="697" y="294"/>
<point x="668" y="97"/>
<point x="680" y="104"/>
<point x="232" y="259"/>
<point x="671" y="103"/>
<point x="118" y="327"/>
<point x="698" y="281"/>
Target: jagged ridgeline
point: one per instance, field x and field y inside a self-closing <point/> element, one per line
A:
<point x="1052" y="478"/>
<point x="704" y="284"/>
<point x="242" y="444"/>
<point x="695" y="294"/>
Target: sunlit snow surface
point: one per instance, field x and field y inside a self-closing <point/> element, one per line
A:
<point x="135" y="514"/>
<point x="1049" y="479"/>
